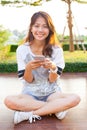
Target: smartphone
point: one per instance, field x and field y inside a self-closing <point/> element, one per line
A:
<point x="39" y="57"/>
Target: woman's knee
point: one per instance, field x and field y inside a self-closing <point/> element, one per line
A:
<point x="75" y="99"/>
<point x="8" y="101"/>
<point x="11" y="101"/>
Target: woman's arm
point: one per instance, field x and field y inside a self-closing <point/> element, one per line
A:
<point x="28" y="76"/>
<point x="52" y="77"/>
<point x="24" y="70"/>
<point x="53" y="73"/>
<point x="32" y="65"/>
<point x="58" y="62"/>
<point x="48" y="64"/>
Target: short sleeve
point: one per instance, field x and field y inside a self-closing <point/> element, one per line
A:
<point x="20" y="62"/>
<point x="58" y="59"/>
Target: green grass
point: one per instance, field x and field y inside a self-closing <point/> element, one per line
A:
<point x="76" y="56"/>
<point x="74" y="62"/>
<point x="8" y="58"/>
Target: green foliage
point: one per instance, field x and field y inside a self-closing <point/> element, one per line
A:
<point x="75" y="67"/>
<point x="36" y="3"/>
<point x="5" y="2"/>
<point x="7" y="57"/>
<point x="82" y="1"/>
<point x="66" y="47"/>
<point x="3" y="53"/>
<point x="4" y="35"/>
<point x="79" y="1"/>
<point x="13" y="48"/>
<point x="69" y="67"/>
<point x="21" y="3"/>
<point x="74" y="62"/>
<point x="76" y="56"/>
<point x="8" y="67"/>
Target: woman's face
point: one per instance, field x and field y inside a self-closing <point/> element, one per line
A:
<point x="40" y="29"/>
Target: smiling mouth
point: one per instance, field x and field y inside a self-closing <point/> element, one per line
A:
<point x="40" y="35"/>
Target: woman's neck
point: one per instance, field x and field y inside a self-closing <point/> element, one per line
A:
<point x="37" y="47"/>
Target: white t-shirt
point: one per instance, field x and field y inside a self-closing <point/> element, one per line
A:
<point x="40" y="86"/>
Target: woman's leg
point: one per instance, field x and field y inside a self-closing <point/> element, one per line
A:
<point x="24" y="106"/>
<point x="58" y="102"/>
<point x="23" y="102"/>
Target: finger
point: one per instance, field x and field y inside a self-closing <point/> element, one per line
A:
<point x="34" y="66"/>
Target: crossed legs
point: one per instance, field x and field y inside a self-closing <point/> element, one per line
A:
<point x="56" y="102"/>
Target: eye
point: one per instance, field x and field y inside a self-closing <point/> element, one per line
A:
<point x="45" y="26"/>
<point x="36" y="26"/>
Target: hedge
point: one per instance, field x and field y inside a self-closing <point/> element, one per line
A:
<point x="13" y="48"/>
<point x="8" y="67"/>
<point x="65" y="47"/>
<point x="69" y="67"/>
<point x="76" y="67"/>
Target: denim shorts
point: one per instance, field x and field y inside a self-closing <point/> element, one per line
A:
<point x="40" y="98"/>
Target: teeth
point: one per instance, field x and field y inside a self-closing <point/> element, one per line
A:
<point x="40" y="35"/>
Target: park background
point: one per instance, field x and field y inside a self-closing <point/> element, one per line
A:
<point x="13" y="27"/>
<point x="14" y="22"/>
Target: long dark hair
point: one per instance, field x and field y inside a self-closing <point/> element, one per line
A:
<point x="51" y="39"/>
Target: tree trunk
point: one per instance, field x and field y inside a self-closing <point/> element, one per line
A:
<point x="70" y="25"/>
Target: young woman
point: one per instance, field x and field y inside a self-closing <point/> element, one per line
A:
<point x="40" y="64"/>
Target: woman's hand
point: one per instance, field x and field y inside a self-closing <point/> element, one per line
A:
<point x="34" y="64"/>
<point x="48" y="64"/>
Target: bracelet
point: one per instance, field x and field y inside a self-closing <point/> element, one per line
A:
<point x="53" y="71"/>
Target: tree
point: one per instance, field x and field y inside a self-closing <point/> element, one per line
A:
<point x="4" y="35"/>
<point x="20" y="3"/>
<point x="39" y="2"/>
<point x="70" y="25"/>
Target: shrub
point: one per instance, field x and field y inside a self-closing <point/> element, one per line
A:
<point x="75" y="67"/>
<point x="8" y="67"/>
<point x="13" y="48"/>
<point x="66" y="47"/>
<point x="69" y="67"/>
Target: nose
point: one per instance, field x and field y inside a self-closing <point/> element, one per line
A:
<point x="40" y="29"/>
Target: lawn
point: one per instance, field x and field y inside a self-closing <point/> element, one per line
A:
<point x="74" y="62"/>
<point x="8" y="58"/>
<point x="76" y="56"/>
